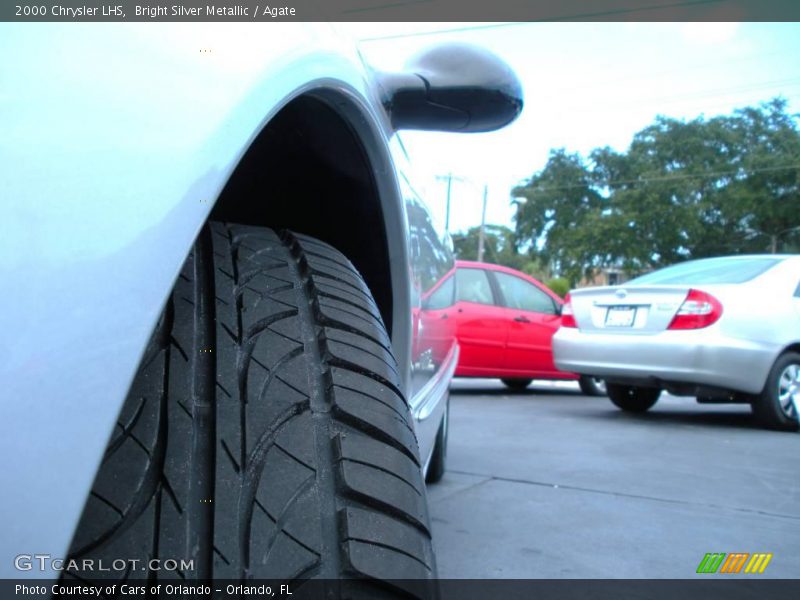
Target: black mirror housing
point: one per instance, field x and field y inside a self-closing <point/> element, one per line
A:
<point x="452" y="87"/>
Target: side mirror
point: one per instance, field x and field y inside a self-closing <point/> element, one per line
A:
<point x="452" y="87"/>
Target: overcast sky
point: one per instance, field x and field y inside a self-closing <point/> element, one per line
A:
<point x="586" y="85"/>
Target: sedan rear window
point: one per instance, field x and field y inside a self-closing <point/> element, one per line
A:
<point x="709" y="270"/>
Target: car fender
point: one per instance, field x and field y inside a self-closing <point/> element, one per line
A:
<point x="135" y="158"/>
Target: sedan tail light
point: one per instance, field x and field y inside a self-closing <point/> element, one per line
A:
<point x="567" y="316"/>
<point x="697" y="311"/>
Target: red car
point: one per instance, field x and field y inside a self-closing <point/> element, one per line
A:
<point x="504" y="321"/>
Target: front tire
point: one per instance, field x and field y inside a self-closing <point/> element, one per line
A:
<point x="632" y="398"/>
<point x="776" y="406"/>
<point x="516" y="384"/>
<point x="265" y="435"/>
<point x="592" y="386"/>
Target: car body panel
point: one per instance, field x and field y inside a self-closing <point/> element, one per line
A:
<point x="113" y="155"/>
<point x="497" y="340"/>
<point x="735" y="353"/>
<point x="672" y="356"/>
<point x="529" y="342"/>
<point x="434" y="326"/>
<point x="652" y="308"/>
<point x="434" y="350"/>
<point x="482" y="332"/>
<point x="796" y="300"/>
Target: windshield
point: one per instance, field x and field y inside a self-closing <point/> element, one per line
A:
<point x="712" y="270"/>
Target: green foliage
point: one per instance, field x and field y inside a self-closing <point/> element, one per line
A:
<point x="559" y="285"/>
<point x="537" y="268"/>
<point x="707" y="187"/>
<point x="500" y="246"/>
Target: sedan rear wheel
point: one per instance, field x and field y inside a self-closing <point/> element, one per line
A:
<point x="777" y="406"/>
<point x="632" y="398"/>
<point x="517" y="384"/>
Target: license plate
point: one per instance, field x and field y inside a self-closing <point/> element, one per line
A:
<point x="620" y="316"/>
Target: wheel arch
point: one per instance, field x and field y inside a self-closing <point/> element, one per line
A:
<point x="793" y="347"/>
<point x="790" y="348"/>
<point x="321" y="166"/>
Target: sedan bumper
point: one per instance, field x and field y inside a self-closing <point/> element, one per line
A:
<point x="703" y="357"/>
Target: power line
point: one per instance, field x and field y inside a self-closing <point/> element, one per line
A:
<point x="714" y="107"/>
<point x="707" y="104"/>
<point x="600" y="83"/>
<point x="398" y="36"/>
<point x="573" y="17"/>
<point x="665" y="178"/>
<point x="712" y="93"/>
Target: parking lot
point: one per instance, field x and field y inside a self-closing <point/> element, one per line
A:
<point x="553" y="484"/>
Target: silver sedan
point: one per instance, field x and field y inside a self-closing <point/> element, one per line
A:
<point x="721" y="329"/>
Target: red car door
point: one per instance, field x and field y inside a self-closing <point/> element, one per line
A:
<point x="532" y="316"/>
<point x="481" y="324"/>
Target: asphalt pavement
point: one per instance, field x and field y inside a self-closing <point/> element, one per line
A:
<point x="553" y="484"/>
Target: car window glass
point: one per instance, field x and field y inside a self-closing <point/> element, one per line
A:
<point x="797" y="291"/>
<point x="710" y="270"/>
<point x="523" y="295"/>
<point x="472" y="285"/>
<point x="443" y="297"/>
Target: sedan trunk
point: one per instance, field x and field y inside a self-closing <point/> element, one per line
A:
<point x="631" y="310"/>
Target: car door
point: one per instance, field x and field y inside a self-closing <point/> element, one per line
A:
<point x="532" y="318"/>
<point x="481" y="325"/>
<point x="433" y="351"/>
<point x="436" y="325"/>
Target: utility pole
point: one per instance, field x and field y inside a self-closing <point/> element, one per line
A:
<point x="447" y="209"/>
<point x="449" y="179"/>
<point x="482" y="235"/>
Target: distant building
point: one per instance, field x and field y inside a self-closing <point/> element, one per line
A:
<point x="608" y="276"/>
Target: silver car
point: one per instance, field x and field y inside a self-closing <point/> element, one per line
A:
<point x="211" y="265"/>
<point x="721" y="329"/>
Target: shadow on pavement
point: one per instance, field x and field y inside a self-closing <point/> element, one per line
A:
<point x="672" y="416"/>
<point x="600" y="408"/>
<point x="504" y="391"/>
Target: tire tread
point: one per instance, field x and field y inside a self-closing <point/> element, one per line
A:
<point x="266" y="428"/>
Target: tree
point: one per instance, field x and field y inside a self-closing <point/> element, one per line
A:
<point x="767" y="184"/>
<point x="706" y="187"/>
<point x="561" y="210"/>
<point x="500" y="246"/>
